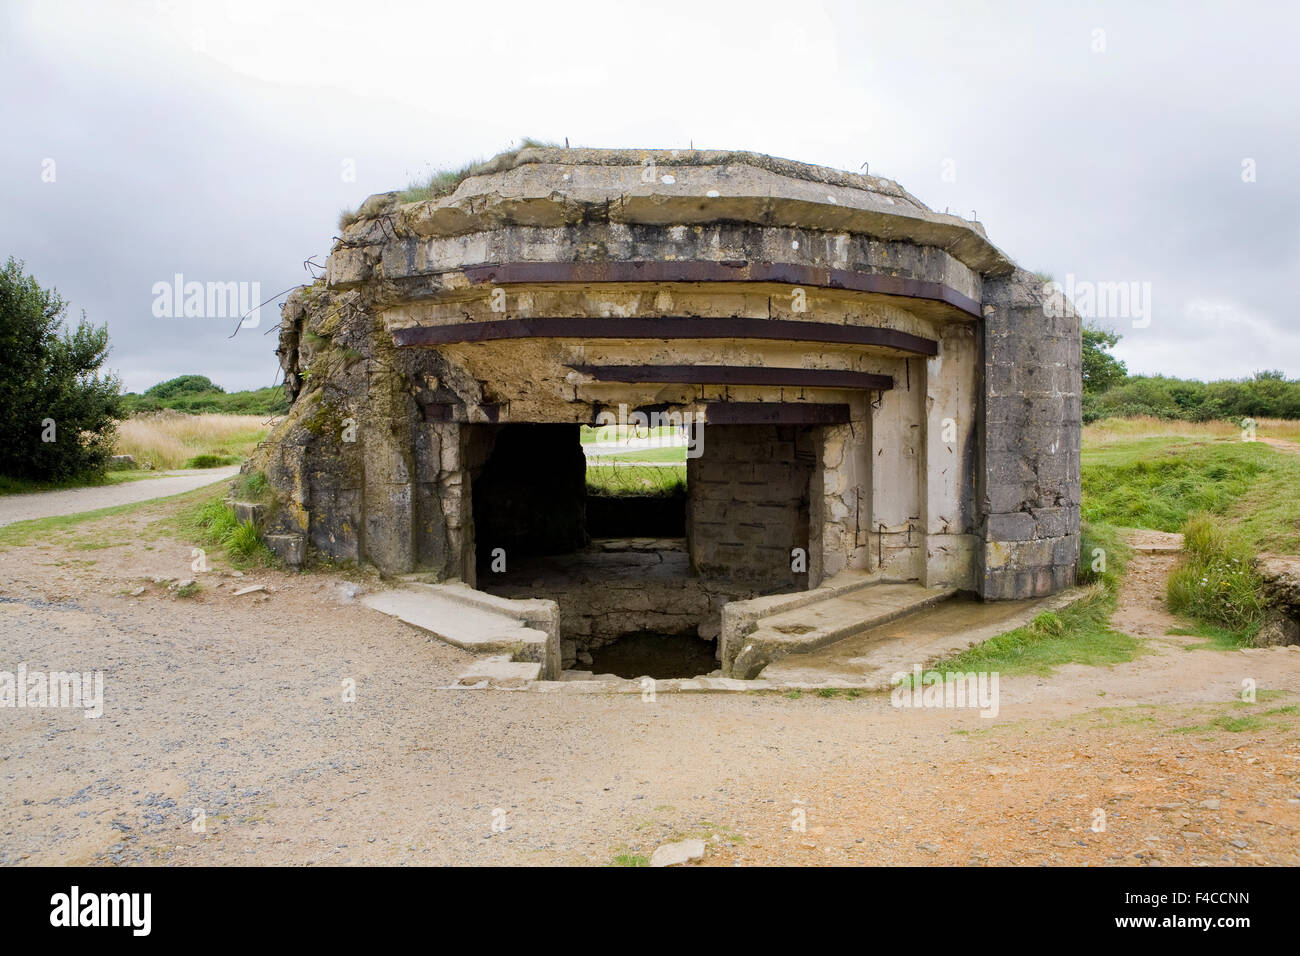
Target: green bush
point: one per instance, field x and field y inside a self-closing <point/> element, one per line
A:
<point x="1266" y="394"/>
<point x="57" y="414"/>
<point x="252" y="487"/>
<point x="215" y="525"/>
<point x="196" y="394"/>
<point x="211" y="461"/>
<point x="1216" y="581"/>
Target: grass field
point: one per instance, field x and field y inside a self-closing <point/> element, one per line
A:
<point x="1120" y="430"/>
<point x="618" y="433"/>
<point x="1161" y="481"/>
<point x="176" y="440"/>
<point x="1231" y="499"/>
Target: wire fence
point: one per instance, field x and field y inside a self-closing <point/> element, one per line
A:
<point x="611" y="478"/>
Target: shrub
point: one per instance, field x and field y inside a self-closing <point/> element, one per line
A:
<point x="57" y="413"/>
<point x="1216" y="581"/>
<point x="215" y="525"/>
<point x="210" y="461"/>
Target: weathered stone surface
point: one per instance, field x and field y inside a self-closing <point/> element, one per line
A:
<point x="675" y="854"/>
<point x="1031" y="482"/>
<point x="432" y="455"/>
<point x="1281" y="577"/>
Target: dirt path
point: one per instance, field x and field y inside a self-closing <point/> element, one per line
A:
<point x="234" y="706"/>
<point x="47" y="504"/>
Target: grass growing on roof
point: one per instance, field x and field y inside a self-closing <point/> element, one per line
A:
<point x="443" y="182"/>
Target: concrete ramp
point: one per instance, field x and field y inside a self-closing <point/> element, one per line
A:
<point x="871" y="657"/>
<point x="760" y="632"/>
<point x="523" y="634"/>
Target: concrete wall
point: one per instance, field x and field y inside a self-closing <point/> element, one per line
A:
<point x="951" y="462"/>
<point x="1032" y="428"/>
<point x="749" y="502"/>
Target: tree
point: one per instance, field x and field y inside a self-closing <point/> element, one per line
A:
<point x="57" y="414"/>
<point x="1101" y="370"/>
<point x="184" y="385"/>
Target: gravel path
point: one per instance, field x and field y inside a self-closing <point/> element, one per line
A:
<point x="299" y="727"/>
<point x="47" y="504"/>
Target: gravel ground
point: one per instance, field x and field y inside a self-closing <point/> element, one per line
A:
<point x="47" y="504"/>
<point x="235" y="706"/>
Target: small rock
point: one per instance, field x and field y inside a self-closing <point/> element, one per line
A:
<point x="250" y="590"/>
<point x="137" y="592"/>
<point x="1209" y="804"/>
<point x="675" y="854"/>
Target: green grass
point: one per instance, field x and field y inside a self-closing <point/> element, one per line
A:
<point x="674" y="453"/>
<point x="251" y="487"/>
<point x="613" y="433"/>
<point x="1160" y="482"/>
<point x="1078" y="634"/>
<point x="213" y="524"/>
<point x="442" y="182"/>
<point x="629" y="479"/>
<point x="630" y="859"/>
<point x="1216" y="638"/>
<point x="21" y="486"/>
<point x="211" y="461"/>
<point x="1103" y="554"/>
<point x="1216" y="582"/>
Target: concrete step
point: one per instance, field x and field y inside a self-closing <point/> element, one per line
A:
<point x="500" y="672"/>
<point x="525" y="632"/>
<point x="804" y="629"/>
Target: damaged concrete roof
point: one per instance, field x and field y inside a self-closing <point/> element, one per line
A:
<point x="548" y="186"/>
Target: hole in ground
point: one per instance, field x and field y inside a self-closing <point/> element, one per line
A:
<point x="649" y="654"/>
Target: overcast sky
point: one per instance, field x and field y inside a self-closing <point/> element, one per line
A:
<point x="1100" y="141"/>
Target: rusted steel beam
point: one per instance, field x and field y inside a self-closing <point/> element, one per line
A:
<point x="776" y="413"/>
<point x="737" y="375"/>
<point x="821" y="277"/>
<point x="668" y="328"/>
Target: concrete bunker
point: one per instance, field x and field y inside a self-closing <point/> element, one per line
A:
<point x="882" y="395"/>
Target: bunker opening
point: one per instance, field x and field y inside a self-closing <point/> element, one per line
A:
<point x="639" y="545"/>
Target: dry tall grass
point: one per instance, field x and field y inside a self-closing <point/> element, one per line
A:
<point x="170" y="439"/>
<point x="1144" y="426"/>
